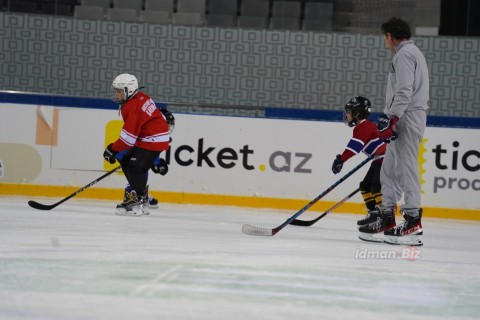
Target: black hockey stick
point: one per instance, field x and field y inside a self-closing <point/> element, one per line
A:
<point x="40" y="206"/>
<point x="307" y="223"/>
<point x="256" y="231"/>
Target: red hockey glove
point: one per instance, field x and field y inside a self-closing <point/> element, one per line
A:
<point x="386" y="128"/>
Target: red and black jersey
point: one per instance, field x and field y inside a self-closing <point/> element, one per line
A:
<point x="365" y="138"/>
<point x="144" y="125"/>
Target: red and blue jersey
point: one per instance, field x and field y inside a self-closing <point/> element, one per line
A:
<point x="365" y="139"/>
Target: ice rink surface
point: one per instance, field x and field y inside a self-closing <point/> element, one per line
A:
<point x="80" y="261"/>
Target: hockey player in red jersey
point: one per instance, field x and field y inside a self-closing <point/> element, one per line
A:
<point x="144" y="135"/>
<point x="159" y="166"/>
<point x="365" y="139"/>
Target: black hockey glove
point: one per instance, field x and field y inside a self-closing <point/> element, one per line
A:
<point x="337" y="164"/>
<point x="170" y="119"/>
<point x="110" y="154"/>
<point x="160" y="166"/>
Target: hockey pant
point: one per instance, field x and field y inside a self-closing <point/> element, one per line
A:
<point x="135" y="165"/>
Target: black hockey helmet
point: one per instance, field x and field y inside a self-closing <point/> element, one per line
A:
<point x="359" y="108"/>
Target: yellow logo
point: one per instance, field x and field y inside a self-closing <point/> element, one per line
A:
<point x="112" y="132"/>
<point x="421" y="161"/>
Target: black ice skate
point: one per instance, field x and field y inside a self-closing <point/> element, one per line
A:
<point x="385" y="221"/>
<point x="146" y="202"/>
<point x="371" y="217"/>
<point x="132" y="205"/>
<point x="152" y="202"/>
<point x="409" y="232"/>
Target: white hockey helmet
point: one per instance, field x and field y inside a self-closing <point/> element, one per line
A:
<point x="128" y="83"/>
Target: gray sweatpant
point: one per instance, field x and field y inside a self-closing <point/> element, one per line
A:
<point x="400" y="174"/>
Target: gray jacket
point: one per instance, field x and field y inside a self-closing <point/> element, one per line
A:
<point x="408" y="83"/>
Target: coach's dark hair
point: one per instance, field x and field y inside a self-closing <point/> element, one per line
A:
<point x="398" y="28"/>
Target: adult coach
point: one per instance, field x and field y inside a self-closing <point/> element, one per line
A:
<point x="403" y="125"/>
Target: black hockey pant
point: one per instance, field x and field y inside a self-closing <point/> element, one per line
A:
<point x="135" y="165"/>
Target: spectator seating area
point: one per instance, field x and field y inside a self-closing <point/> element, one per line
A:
<point x="362" y="16"/>
<point x="56" y="7"/>
<point x="274" y="14"/>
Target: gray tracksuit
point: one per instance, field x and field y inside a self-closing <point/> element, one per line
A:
<point x="407" y="97"/>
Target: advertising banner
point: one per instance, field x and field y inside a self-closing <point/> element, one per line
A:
<point x="217" y="155"/>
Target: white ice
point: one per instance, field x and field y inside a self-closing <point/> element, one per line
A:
<point x="80" y="261"/>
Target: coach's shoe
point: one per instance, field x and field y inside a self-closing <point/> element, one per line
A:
<point x="409" y="232"/>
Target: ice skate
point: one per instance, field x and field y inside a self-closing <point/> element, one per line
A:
<point x="132" y="205"/>
<point x="371" y="217"/>
<point x="385" y="221"/>
<point x="409" y="232"/>
<point x="146" y="202"/>
<point x="152" y="202"/>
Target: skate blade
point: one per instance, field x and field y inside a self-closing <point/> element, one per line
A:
<point x="128" y="214"/>
<point x="132" y="213"/>
<point x="414" y="240"/>
<point x="144" y="210"/>
<point x="369" y="238"/>
<point x="153" y="206"/>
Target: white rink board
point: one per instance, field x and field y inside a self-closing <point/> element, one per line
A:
<point x="260" y="157"/>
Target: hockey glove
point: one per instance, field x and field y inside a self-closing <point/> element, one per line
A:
<point x="337" y="164"/>
<point x="386" y="128"/>
<point x="160" y="166"/>
<point x="109" y="154"/>
<point x="170" y="119"/>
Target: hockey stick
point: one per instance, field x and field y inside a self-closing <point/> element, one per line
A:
<point x="307" y="223"/>
<point x="40" y="206"/>
<point x="256" y="231"/>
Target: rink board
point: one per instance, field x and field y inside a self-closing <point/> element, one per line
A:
<point x="256" y="162"/>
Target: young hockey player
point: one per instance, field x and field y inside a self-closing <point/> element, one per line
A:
<point x="145" y="133"/>
<point x="365" y="138"/>
<point x="159" y="166"/>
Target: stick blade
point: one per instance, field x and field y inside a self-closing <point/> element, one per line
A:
<point x="256" y="231"/>
<point x="39" y="206"/>
<point x="302" y="223"/>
